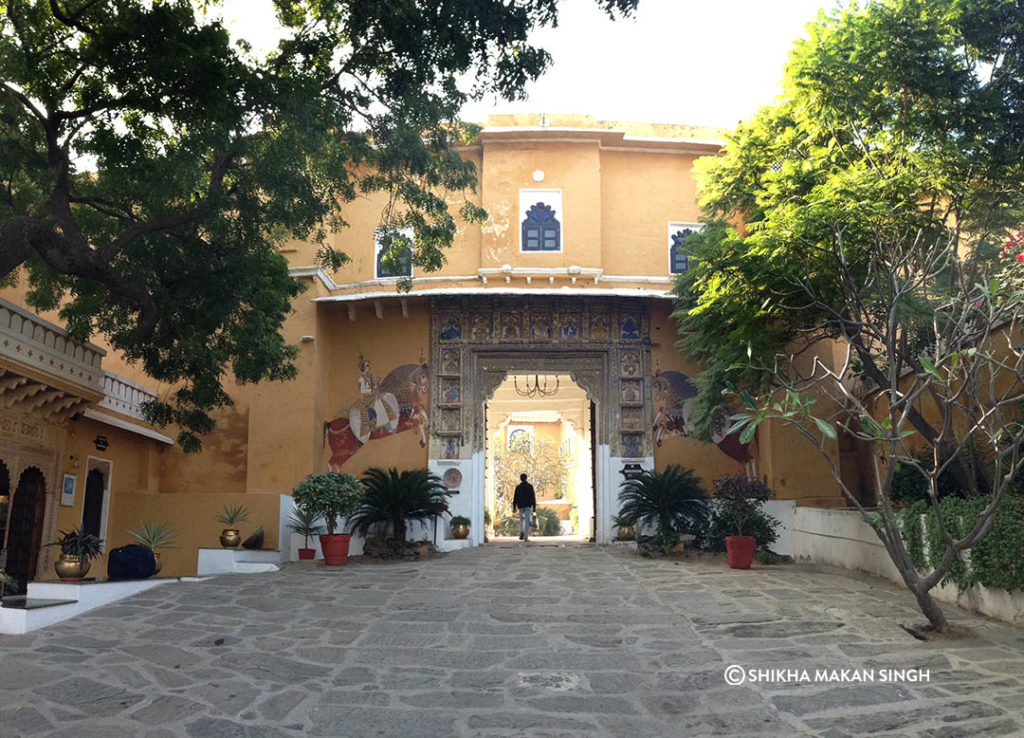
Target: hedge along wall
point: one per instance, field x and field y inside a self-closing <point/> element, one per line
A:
<point x="996" y="562"/>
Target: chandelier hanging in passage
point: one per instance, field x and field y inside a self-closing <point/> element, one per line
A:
<point x="537" y="387"/>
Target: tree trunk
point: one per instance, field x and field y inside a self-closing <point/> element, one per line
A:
<point x="930" y="609"/>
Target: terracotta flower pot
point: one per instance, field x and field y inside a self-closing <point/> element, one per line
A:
<point x="307" y="554"/>
<point x="335" y="548"/>
<point x="740" y="551"/>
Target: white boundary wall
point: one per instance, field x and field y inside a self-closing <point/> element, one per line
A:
<point x="842" y="538"/>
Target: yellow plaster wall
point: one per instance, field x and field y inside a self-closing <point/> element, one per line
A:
<point x="193" y="517"/>
<point x="388" y="343"/>
<point x="706" y="459"/>
<point x="221" y="466"/>
<point x="574" y="168"/>
<point x="134" y="460"/>
<point x="641" y="194"/>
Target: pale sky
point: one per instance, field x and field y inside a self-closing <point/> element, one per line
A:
<point x="701" y="62"/>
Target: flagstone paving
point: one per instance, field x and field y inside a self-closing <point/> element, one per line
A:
<point x="512" y="639"/>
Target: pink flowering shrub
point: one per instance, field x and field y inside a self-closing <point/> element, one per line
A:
<point x="1014" y="247"/>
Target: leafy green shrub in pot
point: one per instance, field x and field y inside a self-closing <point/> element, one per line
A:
<point x="738" y="516"/>
<point x="330" y="495"/>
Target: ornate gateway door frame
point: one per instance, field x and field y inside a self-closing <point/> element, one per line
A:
<point x="589" y="369"/>
<point x="603" y="343"/>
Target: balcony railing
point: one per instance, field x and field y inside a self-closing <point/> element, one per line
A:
<point x="39" y="347"/>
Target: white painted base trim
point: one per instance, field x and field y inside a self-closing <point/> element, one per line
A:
<point x="236" y="561"/>
<point x="842" y="538"/>
<point x="87" y="596"/>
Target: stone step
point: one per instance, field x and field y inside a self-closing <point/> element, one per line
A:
<point x="24" y="602"/>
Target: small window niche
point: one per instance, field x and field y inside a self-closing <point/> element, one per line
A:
<point x="679" y="258"/>
<point x="398" y="263"/>
<point x="541" y="221"/>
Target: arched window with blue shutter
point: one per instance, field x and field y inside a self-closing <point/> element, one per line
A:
<point x="541" y="229"/>
<point x="679" y="257"/>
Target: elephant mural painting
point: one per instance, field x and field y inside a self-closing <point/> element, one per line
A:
<point x="673" y="393"/>
<point x="395" y="404"/>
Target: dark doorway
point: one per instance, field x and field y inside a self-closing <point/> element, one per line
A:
<point x="92" y="512"/>
<point x="5" y="505"/>
<point x="26" y="528"/>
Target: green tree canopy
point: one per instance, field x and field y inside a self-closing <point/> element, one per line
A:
<point x="149" y="168"/>
<point x="901" y="121"/>
<point x="883" y="199"/>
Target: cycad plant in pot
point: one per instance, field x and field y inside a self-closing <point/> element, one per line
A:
<point x="304" y="522"/>
<point x="330" y="495"/>
<point x="77" y="549"/>
<point x="738" y="508"/>
<point x="671" y="501"/>
<point x="393" y="499"/>
<point x="154" y="535"/>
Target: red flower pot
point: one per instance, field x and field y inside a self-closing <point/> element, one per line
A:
<point x="740" y="551"/>
<point x="335" y="548"/>
<point x="306" y="554"/>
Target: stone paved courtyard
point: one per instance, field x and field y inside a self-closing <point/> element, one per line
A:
<point x="508" y="640"/>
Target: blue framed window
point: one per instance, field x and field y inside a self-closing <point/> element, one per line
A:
<point x="541" y="229"/>
<point x="678" y="257"/>
<point x="399" y="265"/>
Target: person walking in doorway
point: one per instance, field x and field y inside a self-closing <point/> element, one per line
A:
<point x="524" y="500"/>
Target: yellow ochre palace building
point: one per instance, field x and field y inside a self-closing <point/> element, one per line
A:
<point x="548" y="329"/>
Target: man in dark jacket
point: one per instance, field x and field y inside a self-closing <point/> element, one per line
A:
<point x="524" y="500"/>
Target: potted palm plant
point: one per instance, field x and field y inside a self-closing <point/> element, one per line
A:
<point x="154" y="535"/>
<point x="671" y="501"/>
<point x="77" y="550"/>
<point x="330" y="495"/>
<point x="739" y="508"/>
<point x="231" y="516"/>
<point x="303" y="522"/>
<point x="393" y="499"/>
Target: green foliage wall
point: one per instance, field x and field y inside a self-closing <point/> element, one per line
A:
<point x="997" y="561"/>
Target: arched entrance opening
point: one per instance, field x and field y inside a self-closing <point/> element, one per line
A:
<point x="540" y="425"/>
<point x="5" y="505"/>
<point x="92" y="512"/>
<point x="25" y="528"/>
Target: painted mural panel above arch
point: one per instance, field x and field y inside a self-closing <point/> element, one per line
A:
<point x="597" y="340"/>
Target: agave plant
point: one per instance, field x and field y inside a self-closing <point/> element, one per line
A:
<point x="83" y="546"/>
<point x="233" y="515"/>
<point x="671" y="501"/>
<point x="154" y="535"/>
<point x="397" y="498"/>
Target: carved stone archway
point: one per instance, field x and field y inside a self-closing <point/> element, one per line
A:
<point x="603" y="343"/>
